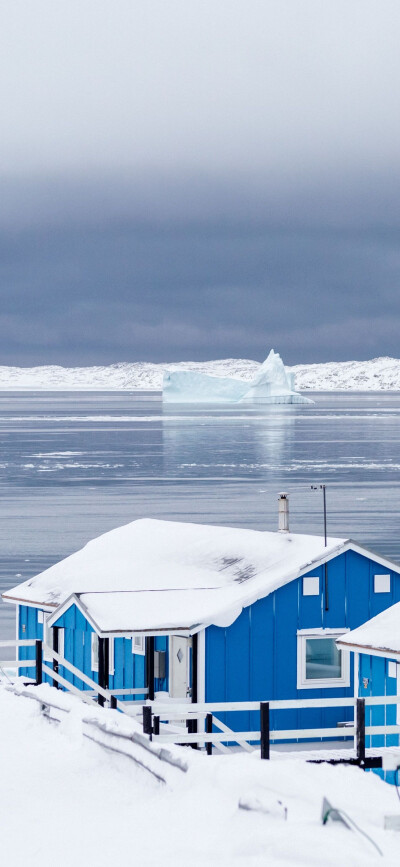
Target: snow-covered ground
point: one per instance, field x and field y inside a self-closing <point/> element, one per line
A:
<point x="67" y="800"/>
<point x="377" y="374"/>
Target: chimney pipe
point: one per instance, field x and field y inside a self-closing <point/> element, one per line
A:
<point x="283" y="513"/>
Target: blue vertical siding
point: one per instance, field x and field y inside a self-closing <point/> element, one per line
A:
<point x="374" y="680"/>
<point x="256" y="657"/>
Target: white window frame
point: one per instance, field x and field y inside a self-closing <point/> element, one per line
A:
<point x="141" y="649"/>
<point x="321" y="683"/>
<point x="94" y="653"/>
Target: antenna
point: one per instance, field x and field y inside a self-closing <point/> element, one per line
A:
<point x="323" y="489"/>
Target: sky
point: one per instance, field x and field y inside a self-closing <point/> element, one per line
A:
<point x="198" y="180"/>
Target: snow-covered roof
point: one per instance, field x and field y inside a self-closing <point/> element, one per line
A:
<point x="381" y="633"/>
<point x="152" y="574"/>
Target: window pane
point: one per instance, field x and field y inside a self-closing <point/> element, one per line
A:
<point x="323" y="659"/>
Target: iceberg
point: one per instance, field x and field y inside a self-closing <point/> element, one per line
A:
<point x="272" y="384"/>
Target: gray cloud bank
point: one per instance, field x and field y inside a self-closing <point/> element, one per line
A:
<point x="195" y="180"/>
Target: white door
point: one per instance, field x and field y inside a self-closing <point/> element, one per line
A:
<point x="179" y="666"/>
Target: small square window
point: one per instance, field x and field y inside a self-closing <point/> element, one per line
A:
<point x="311" y="585"/>
<point x="392" y="669"/>
<point x="382" y="583"/>
<point x="320" y="663"/>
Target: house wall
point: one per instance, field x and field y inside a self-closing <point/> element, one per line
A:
<point x="256" y="657"/>
<point x="375" y="679"/>
<point x="129" y="668"/>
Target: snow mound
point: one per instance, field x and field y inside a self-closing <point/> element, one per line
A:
<point x="271" y="384"/>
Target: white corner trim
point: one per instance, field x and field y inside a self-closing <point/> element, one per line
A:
<point x="201" y="666"/>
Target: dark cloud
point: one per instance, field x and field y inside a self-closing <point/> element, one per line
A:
<point x="88" y="282"/>
<point x="193" y="180"/>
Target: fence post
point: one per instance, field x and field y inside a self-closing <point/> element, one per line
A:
<point x="55" y="647"/>
<point x="100" y="698"/>
<point x="39" y="673"/>
<point x="264" y="726"/>
<point x="209" y="725"/>
<point x="361" y="731"/>
<point x="113" y="702"/>
<point x="156" y="725"/>
<point x="147" y="723"/>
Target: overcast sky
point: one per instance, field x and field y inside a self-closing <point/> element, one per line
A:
<point x="199" y="179"/>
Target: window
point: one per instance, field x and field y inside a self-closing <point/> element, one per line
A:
<point x="311" y="585"/>
<point x="138" y="644"/>
<point x="95" y="653"/>
<point x="320" y="663"/>
<point x="382" y="583"/>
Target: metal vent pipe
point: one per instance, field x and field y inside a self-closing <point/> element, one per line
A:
<point x="283" y="513"/>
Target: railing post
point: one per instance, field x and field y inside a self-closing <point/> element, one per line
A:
<point x="39" y="673"/>
<point x="100" y="698"/>
<point x="55" y="647"/>
<point x="264" y="727"/>
<point x="113" y="702"/>
<point x="147" y="723"/>
<point x="156" y="725"/>
<point x="209" y="727"/>
<point x="361" y="731"/>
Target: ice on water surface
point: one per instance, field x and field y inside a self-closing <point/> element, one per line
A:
<point x="272" y="384"/>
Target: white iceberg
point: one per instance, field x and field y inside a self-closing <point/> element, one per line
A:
<point x="272" y="384"/>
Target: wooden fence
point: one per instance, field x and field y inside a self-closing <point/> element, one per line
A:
<point x="93" y="693"/>
<point x="157" y="719"/>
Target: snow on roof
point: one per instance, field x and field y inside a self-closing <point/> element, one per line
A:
<point x="381" y="633"/>
<point x="167" y="572"/>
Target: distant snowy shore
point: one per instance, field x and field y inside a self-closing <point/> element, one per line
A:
<point x="379" y="374"/>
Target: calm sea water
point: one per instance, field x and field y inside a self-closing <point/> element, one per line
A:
<point x="73" y="465"/>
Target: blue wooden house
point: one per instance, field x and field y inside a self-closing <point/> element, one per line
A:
<point x="375" y="649"/>
<point x="209" y="613"/>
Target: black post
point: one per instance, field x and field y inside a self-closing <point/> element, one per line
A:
<point x="39" y="674"/>
<point x="150" y="667"/>
<point x="361" y="731"/>
<point x="113" y="702"/>
<point x="106" y="662"/>
<point x="101" y="670"/>
<point x="147" y="723"/>
<point x="156" y="725"/>
<point x="195" y="658"/>
<point x="264" y="726"/>
<point x="209" y="726"/>
<point x="55" y="647"/>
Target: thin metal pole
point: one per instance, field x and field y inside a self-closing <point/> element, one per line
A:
<point x="324" y="495"/>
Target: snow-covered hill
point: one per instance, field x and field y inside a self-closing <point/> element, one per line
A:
<point x="377" y="374"/>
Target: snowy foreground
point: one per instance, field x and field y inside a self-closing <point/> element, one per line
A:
<point x="375" y="375"/>
<point x="70" y="800"/>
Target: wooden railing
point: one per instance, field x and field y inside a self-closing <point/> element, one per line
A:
<point x="158" y="722"/>
<point x="94" y="692"/>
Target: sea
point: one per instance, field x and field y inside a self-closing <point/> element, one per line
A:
<point x="77" y="464"/>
